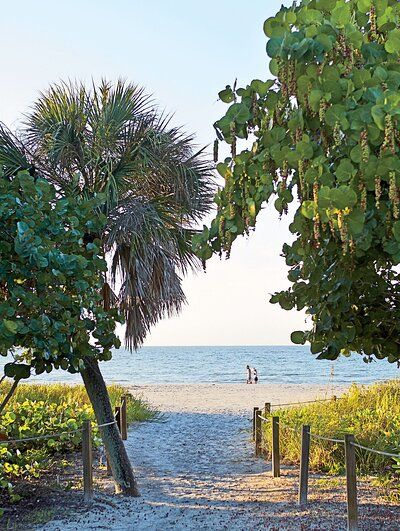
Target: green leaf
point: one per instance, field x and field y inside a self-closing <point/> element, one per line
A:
<point x="345" y="171"/>
<point x="364" y="5"/>
<point x="17" y="371"/>
<point x="273" y="27"/>
<point x="396" y="230"/>
<point x="274" y="47"/>
<point x="274" y="67"/>
<point x="22" y="228"/>
<point x="340" y="14"/>
<point x="380" y="74"/>
<point x="337" y="114"/>
<point x="311" y="16"/>
<point x="343" y="197"/>
<point x="308" y="209"/>
<point x="316" y="347"/>
<point x="314" y="99"/>
<point x="355" y="221"/>
<point x="298" y="337"/>
<point x="378" y="115"/>
<point x="326" y="41"/>
<point x="361" y="77"/>
<point x="324" y="197"/>
<point x="262" y="87"/>
<point x="226" y="95"/>
<point x="11" y="326"/>
<point x="304" y="149"/>
<point x="239" y="113"/>
<point x="373" y="52"/>
<point x="392" y="44"/>
<point x="356" y="154"/>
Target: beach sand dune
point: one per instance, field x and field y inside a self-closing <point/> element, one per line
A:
<point x="196" y="469"/>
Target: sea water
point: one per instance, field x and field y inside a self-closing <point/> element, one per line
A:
<point x="275" y="364"/>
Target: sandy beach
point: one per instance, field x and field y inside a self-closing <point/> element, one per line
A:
<point x="230" y="398"/>
<point x="197" y="470"/>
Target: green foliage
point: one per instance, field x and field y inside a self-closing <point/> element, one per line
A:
<point x="326" y="130"/>
<point x="50" y="279"/>
<point x="45" y="409"/>
<point x="371" y="413"/>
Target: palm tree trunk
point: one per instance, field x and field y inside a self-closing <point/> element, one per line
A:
<point x="125" y="482"/>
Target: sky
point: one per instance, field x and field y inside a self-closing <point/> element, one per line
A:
<point x="183" y="53"/>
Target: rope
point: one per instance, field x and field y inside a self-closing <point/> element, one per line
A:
<point x="107" y="424"/>
<point x="326" y="438"/>
<point x="307" y="402"/>
<point x="329" y="439"/>
<point x="296" y="430"/>
<point x="380" y="452"/>
<point x="52" y="435"/>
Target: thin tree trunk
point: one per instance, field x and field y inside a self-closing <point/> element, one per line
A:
<point x="121" y="467"/>
<point x="9" y="395"/>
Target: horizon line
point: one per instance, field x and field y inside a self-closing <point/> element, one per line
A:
<point x="225" y="345"/>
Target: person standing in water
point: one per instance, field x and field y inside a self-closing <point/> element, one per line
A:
<point x="248" y="372"/>
<point x="255" y="374"/>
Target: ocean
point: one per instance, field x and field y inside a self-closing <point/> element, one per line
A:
<point x="275" y="364"/>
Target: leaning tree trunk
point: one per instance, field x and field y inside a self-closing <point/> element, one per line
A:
<point x="121" y="467"/>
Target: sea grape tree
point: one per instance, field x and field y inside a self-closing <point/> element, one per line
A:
<point x="324" y="133"/>
<point x="51" y="309"/>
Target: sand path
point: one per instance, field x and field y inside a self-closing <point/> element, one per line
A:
<point x="197" y="470"/>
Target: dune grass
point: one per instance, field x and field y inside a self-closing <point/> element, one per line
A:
<point x="371" y="413"/>
<point x="57" y="393"/>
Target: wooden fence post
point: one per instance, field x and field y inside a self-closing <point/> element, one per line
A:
<point x="254" y="422"/>
<point x="276" y="458"/>
<point x="124" y="425"/>
<point x="267" y="409"/>
<point x="304" y="464"/>
<point x="87" y="459"/>
<point x="258" y="432"/>
<point x="351" y="483"/>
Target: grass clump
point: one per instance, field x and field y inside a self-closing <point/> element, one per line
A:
<point x="371" y="413"/>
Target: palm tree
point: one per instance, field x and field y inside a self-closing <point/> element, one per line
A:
<point x="111" y="139"/>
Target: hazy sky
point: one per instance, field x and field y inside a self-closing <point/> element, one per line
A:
<point x="184" y="53"/>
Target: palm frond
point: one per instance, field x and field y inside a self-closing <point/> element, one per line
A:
<point x="145" y="255"/>
<point x="56" y="129"/>
<point x="13" y="157"/>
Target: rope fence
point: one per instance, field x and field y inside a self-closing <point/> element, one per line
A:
<point x="306" y="402"/>
<point x="306" y="436"/>
<point x="120" y="418"/>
